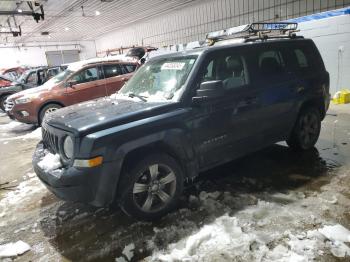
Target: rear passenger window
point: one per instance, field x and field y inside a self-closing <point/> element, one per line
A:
<point x="306" y="59"/>
<point x="271" y="62"/>
<point x="301" y="58"/>
<point x="112" y="70"/>
<point x="128" y="68"/>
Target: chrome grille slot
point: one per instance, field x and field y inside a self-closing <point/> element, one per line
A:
<point x="50" y="141"/>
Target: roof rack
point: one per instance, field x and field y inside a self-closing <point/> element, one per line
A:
<point x="256" y="31"/>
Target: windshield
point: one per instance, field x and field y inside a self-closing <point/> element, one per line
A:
<point x="160" y="80"/>
<point x="59" y="78"/>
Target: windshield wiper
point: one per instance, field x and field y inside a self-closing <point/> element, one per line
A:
<point x="143" y="98"/>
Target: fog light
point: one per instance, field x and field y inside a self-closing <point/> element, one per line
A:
<point x="92" y="162"/>
<point x="24" y="113"/>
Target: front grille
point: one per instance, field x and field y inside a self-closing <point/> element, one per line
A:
<point x="50" y="141"/>
<point x="9" y="104"/>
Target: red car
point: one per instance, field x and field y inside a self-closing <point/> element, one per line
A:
<point x="81" y="81"/>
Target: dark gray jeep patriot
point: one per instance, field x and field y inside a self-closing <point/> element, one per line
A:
<point x="181" y="114"/>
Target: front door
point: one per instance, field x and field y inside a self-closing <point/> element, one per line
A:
<point x="88" y="85"/>
<point x="227" y="127"/>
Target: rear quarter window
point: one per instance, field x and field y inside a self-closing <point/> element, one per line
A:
<point x="306" y="57"/>
<point x="128" y="68"/>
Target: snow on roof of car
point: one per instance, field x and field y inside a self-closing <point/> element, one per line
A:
<point x="118" y="58"/>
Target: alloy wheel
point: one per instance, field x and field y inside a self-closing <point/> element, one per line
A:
<point x="309" y="128"/>
<point x="154" y="188"/>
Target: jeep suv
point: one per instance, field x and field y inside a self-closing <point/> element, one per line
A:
<point x="181" y="114"/>
<point x="81" y="81"/>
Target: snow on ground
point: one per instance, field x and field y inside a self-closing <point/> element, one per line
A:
<point x="13" y="249"/>
<point x="21" y="194"/>
<point x="35" y="134"/>
<point x="261" y="232"/>
<point x="15" y="126"/>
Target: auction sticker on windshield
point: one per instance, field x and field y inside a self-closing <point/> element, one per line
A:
<point x="173" y="66"/>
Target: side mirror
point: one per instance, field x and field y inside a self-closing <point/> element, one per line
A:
<point x="71" y="83"/>
<point x="209" y="90"/>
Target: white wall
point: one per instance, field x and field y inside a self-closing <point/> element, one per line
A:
<point x="33" y="55"/>
<point x="195" y="21"/>
<point x="332" y="37"/>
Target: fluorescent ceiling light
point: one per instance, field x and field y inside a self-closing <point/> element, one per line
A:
<point x="97" y="13"/>
<point x="67" y="28"/>
<point x="19" y="10"/>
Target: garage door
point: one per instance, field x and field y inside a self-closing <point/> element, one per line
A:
<point x="56" y="58"/>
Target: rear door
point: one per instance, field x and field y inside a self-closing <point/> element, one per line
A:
<point x="279" y="88"/>
<point x="89" y="86"/>
<point x="115" y="79"/>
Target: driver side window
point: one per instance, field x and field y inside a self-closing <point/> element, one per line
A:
<point x="230" y="68"/>
<point x="32" y="78"/>
<point x="86" y="75"/>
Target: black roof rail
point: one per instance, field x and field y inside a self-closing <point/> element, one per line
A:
<point x="256" y="31"/>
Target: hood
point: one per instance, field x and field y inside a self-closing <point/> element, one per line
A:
<point x="102" y="113"/>
<point x="32" y="91"/>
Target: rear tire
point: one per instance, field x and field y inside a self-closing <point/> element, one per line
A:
<point x="47" y="109"/>
<point x="306" y="130"/>
<point x="151" y="188"/>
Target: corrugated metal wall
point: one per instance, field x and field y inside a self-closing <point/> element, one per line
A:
<point x="192" y="23"/>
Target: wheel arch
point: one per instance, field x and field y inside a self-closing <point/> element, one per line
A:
<point x="178" y="148"/>
<point x="48" y="103"/>
<point x="317" y="103"/>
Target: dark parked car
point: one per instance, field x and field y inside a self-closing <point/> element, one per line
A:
<point x="38" y="76"/>
<point x="184" y="113"/>
<point x="7" y="87"/>
<point x="29" y="79"/>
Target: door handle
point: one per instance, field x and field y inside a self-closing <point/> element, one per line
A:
<point x="250" y="100"/>
<point x="298" y="89"/>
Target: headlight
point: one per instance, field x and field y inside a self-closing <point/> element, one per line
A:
<point x="68" y="147"/>
<point x="22" y="100"/>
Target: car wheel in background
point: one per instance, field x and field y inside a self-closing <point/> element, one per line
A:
<point x="47" y="110"/>
<point x="2" y="102"/>
<point x="151" y="188"/>
<point x="306" y="130"/>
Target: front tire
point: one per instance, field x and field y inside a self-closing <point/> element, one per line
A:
<point x="2" y="102"/>
<point x="46" y="110"/>
<point x="151" y="188"/>
<point x="306" y="130"/>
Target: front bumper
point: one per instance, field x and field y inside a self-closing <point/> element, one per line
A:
<point x="95" y="186"/>
<point x="15" y="111"/>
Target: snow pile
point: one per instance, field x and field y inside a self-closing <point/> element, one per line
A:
<point x="128" y="252"/>
<point x="337" y="235"/>
<point x="244" y="239"/>
<point x="50" y="162"/>
<point x="222" y="240"/>
<point x="13" y="249"/>
<point x="24" y="191"/>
